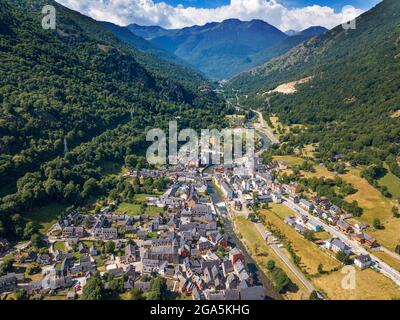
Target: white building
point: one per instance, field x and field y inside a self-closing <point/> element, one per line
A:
<point x="227" y="190"/>
<point x="363" y="261"/>
<point x="276" y="197"/>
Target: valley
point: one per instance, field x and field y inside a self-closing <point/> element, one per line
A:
<point x="310" y="212"/>
<point x="310" y="256"/>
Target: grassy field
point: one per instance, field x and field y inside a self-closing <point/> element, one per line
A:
<point x="60" y="246"/>
<point x="322" y="235"/>
<point x="46" y="216"/>
<point x="291" y="160"/>
<point x="392" y="183"/>
<point x="286" y="128"/>
<point x="275" y="121"/>
<point x="135" y="209"/>
<point x="308" y="151"/>
<point x="281" y="210"/>
<point x="311" y="256"/>
<point x="261" y="253"/>
<point x="276" y="124"/>
<point x="370" y="285"/>
<point x="375" y="205"/>
<point x="142" y="197"/>
<point x="235" y="120"/>
<point x="130" y="209"/>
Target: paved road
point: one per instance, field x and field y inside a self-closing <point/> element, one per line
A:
<point x="261" y="229"/>
<point x="266" y="142"/>
<point x="267" y="137"/>
<point x="357" y="248"/>
<point x="263" y="232"/>
<point x="264" y="128"/>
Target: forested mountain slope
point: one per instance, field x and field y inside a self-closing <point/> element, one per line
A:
<point x="79" y="83"/>
<point x="222" y="50"/>
<point x="349" y="105"/>
<point x="125" y="35"/>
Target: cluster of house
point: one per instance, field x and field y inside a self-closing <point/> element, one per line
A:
<point x="12" y="281"/>
<point x="336" y="245"/>
<point x="238" y="179"/>
<point x="185" y="245"/>
<point x="9" y="281"/>
<point x="231" y="181"/>
<point x="73" y="226"/>
<point x="221" y="278"/>
<point x="319" y="206"/>
<point x="302" y="223"/>
<point x="175" y="172"/>
<point x="191" y="251"/>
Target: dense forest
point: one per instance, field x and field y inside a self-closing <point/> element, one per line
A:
<point x="349" y="107"/>
<point x="74" y="98"/>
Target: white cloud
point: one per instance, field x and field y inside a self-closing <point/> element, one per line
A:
<point x="146" y="12"/>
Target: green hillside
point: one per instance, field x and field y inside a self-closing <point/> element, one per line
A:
<point x="348" y="106"/>
<point x="163" y="59"/>
<point x="80" y="84"/>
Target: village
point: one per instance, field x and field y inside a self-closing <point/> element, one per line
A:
<point x="185" y="244"/>
<point x="348" y="238"/>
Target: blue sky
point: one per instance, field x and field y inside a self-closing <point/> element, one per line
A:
<point x="336" y="4"/>
<point x="174" y="14"/>
<point x="197" y="3"/>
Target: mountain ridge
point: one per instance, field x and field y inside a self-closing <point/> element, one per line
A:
<point x="145" y="46"/>
<point x="354" y="89"/>
<point x="221" y="50"/>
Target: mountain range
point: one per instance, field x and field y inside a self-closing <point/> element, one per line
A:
<point x="223" y="50"/>
<point x="351" y="98"/>
<point x="309" y="32"/>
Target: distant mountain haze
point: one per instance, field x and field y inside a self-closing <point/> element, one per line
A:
<point x="291" y="33"/>
<point x="223" y="50"/>
<point x="139" y="43"/>
<point x="309" y="32"/>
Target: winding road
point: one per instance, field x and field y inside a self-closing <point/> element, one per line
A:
<point x="300" y="276"/>
<point x="264" y="128"/>
<point x="267" y="136"/>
